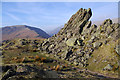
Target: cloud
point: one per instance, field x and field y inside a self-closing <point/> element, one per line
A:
<point x="13" y="16"/>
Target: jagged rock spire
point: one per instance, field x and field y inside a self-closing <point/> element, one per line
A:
<point x="77" y="22"/>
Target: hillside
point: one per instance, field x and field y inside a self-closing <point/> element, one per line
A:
<point x="79" y="50"/>
<point x="22" y="31"/>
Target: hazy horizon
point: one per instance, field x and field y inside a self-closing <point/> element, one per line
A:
<point x="50" y="15"/>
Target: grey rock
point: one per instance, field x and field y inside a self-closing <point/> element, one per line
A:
<point x="108" y="67"/>
<point x="94" y="38"/>
<point x="66" y="54"/>
<point x="83" y="37"/>
<point x="94" y="60"/>
<point x="81" y="64"/>
<point x="117" y="49"/>
<point x="76" y="63"/>
<point x="2" y="56"/>
<point x="87" y="55"/>
<point x="104" y="60"/>
<point x="105" y="42"/>
<point x="109" y="30"/>
<point x="21" y="68"/>
<point x="45" y="43"/>
<point x="8" y="74"/>
<point x="69" y="35"/>
<point x="89" y="45"/>
<point x="73" y="57"/>
<point x="97" y="44"/>
<point x="71" y="41"/>
<point x="80" y="42"/>
<point x="91" y="50"/>
<point x="115" y="26"/>
<point x="51" y="46"/>
<point x="80" y="53"/>
<point x="107" y="22"/>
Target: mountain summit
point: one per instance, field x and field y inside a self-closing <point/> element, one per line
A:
<point x="22" y="31"/>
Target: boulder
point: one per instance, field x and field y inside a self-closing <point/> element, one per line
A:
<point x="87" y="55"/>
<point x="76" y="63"/>
<point x="45" y="43"/>
<point x="117" y="49"/>
<point x="108" y="67"/>
<point x="80" y="42"/>
<point x="66" y="54"/>
<point x="97" y="44"/>
<point x="71" y="41"/>
<point x="69" y="35"/>
<point x="8" y="74"/>
<point x="109" y="30"/>
<point x="81" y="64"/>
<point x="107" y="22"/>
<point x="80" y="53"/>
<point x="22" y="68"/>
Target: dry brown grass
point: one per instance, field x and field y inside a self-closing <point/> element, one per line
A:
<point x="57" y="67"/>
<point x="20" y="60"/>
<point x="14" y="58"/>
<point x="42" y="59"/>
<point x="32" y="57"/>
<point x="37" y="58"/>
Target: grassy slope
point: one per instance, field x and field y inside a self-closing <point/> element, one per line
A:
<point x="103" y="56"/>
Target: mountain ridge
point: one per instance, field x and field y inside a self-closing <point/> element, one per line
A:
<point x="22" y="31"/>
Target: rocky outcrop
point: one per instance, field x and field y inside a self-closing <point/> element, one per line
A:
<point x="78" y="40"/>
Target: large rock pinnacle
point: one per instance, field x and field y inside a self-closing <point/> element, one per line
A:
<point x="77" y="21"/>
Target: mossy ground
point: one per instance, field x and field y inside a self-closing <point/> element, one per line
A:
<point x="104" y="55"/>
<point x="15" y="56"/>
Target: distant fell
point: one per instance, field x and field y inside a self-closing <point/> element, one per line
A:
<point x="22" y="31"/>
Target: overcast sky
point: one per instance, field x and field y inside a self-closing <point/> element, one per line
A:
<point x="49" y="15"/>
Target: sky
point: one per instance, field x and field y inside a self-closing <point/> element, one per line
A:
<point x="50" y="15"/>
